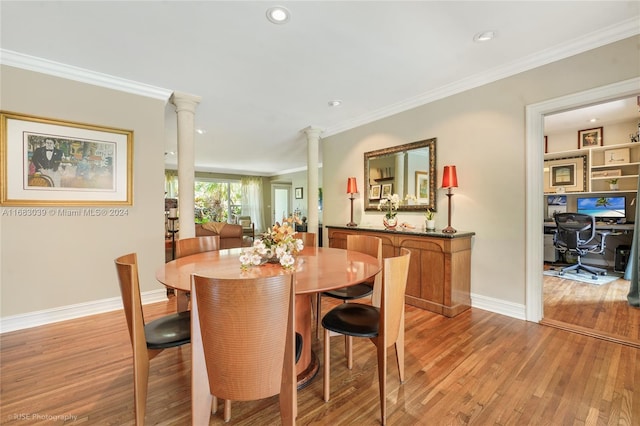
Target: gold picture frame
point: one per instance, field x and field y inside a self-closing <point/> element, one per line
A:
<point x="49" y="162"/>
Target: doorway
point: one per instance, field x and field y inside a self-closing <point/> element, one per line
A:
<point x="534" y="181"/>
<point x="281" y="196"/>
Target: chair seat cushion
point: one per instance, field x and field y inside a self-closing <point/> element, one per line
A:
<point x="353" y="319"/>
<point x="352" y="292"/>
<point x="169" y="331"/>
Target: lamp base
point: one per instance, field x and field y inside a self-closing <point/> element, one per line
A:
<point x="449" y="230"/>
<point x="352" y="224"/>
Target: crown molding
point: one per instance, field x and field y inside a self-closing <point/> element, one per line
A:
<point x="45" y="66"/>
<point x="602" y="37"/>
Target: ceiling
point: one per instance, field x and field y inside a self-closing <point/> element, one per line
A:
<point x="261" y="84"/>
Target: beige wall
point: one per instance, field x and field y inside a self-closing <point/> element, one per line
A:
<point x="482" y="132"/>
<point x="50" y="262"/>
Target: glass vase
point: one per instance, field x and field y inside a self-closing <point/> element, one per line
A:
<point x="390" y="222"/>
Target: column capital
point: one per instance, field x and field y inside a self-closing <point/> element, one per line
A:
<point x="185" y="101"/>
<point x="313" y="132"/>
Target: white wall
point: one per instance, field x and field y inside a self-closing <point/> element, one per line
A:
<point x="51" y="262"/>
<point x="482" y="132"/>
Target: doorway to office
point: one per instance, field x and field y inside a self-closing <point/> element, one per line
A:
<point x="534" y="181"/>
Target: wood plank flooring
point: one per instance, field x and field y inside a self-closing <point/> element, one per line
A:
<point x="479" y="368"/>
<point x="597" y="310"/>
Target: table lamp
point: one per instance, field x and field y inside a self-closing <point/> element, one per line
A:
<point x="352" y="188"/>
<point x="449" y="180"/>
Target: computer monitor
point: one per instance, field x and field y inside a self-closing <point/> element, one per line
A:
<point x="603" y="208"/>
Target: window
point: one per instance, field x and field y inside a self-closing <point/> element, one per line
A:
<point x="216" y="200"/>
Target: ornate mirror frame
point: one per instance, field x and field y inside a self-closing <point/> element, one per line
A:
<point x="415" y="177"/>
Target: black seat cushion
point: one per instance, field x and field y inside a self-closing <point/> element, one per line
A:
<point x="353" y="319"/>
<point x="298" y="346"/>
<point x="169" y="331"/>
<point x="352" y="292"/>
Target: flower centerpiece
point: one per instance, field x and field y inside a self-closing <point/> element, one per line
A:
<point x="389" y="204"/>
<point x="279" y="243"/>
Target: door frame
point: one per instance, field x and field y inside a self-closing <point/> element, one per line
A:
<point x="534" y="152"/>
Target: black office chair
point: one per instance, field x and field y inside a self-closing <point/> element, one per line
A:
<point x="576" y="234"/>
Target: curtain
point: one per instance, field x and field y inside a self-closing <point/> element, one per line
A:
<point x="631" y="273"/>
<point x="252" y="200"/>
<point x="171" y="184"/>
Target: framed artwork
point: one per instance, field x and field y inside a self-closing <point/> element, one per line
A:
<point x="422" y="187"/>
<point x="386" y="189"/>
<point x="298" y="193"/>
<point x="556" y="204"/>
<point x="565" y="174"/>
<point x="374" y="192"/>
<point x="50" y="162"/>
<point x="590" y="138"/>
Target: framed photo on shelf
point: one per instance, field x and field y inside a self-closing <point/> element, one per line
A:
<point x="51" y="162"/>
<point x="386" y="189"/>
<point x="590" y="138"/>
<point x="565" y="174"/>
<point x="374" y="192"/>
<point x="298" y="193"/>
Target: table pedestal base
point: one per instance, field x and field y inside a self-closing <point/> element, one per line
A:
<point x="305" y="377"/>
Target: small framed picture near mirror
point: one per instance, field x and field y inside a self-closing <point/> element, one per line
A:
<point x="298" y="193"/>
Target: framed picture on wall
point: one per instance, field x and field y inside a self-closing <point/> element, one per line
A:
<point x="590" y="138"/>
<point x="565" y="174"/>
<point x="374" y="192"/>
<point x="422" y="187"/>
<point x="52" y="162"/>
<point x="298" y="193"/>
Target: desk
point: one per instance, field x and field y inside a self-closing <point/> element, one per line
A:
<point x="317" y="270"/>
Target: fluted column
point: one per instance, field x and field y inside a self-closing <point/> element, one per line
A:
<point x="313" y="138"/>
<point x="185" y="108"/>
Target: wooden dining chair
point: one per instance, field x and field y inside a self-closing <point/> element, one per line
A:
<point x="147" y="339"/>
<point x="248" y="339"/>
<point x="382" y="322"/>
<point x="366" y="244"/>
<point x="308" y="238"/>
<point x="187" y="247"/>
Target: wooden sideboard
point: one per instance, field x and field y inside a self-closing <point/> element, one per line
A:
<point x="440" y="268"/>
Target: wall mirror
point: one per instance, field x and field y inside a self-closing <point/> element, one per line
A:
<point x="408" y="169"/>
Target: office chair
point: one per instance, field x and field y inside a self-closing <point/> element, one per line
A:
<point x="382" y="322"/>
<point x="576" y="234"/>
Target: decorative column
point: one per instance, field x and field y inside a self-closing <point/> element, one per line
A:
<point x="185" y="108"/>
<point x="313" y="137"/>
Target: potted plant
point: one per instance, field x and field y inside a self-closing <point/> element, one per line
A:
<point x="430" y="217"/>
<point x="613" y="184"/>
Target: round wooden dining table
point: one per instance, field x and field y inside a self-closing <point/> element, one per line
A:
<point x="317" y="269"/>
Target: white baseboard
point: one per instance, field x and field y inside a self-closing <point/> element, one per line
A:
<point x="510" y="309"/>
<point x="63" y="313"/>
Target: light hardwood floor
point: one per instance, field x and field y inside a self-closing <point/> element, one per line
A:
<point x="597" y="310"/>
<point x="479" y="368"/>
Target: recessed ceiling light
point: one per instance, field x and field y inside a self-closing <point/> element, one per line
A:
<point x="335" y="102"/>
<point x="593" y="120"/>
<point x="201" y="131"/>
<point x="484" y="36"/>
<point x="278" y="15"/>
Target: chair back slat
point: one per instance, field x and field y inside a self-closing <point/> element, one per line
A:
<point x="189" y="246"/>
<point x="394" y="283"/>
<point x="308" y="238"/>
<point x="243" y="324"/>
<point x="371" y="245"/>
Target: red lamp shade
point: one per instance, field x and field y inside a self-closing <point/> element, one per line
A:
<point x="449" y="177"/>
<point x="352" y="187"/>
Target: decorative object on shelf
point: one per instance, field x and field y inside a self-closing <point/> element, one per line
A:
<point x="613" y="184"/>
<point x="616" y="156"/>
<point x="590" y="138"/>
<point x="389" y="204"/>
<point x="386" y="189"/>
<point x="352" y="188"/>
<point x="278" y="244"/>
<point x="607" y="173"/>
<point x="430" y="222"/>
<point x="449" y="180"/>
